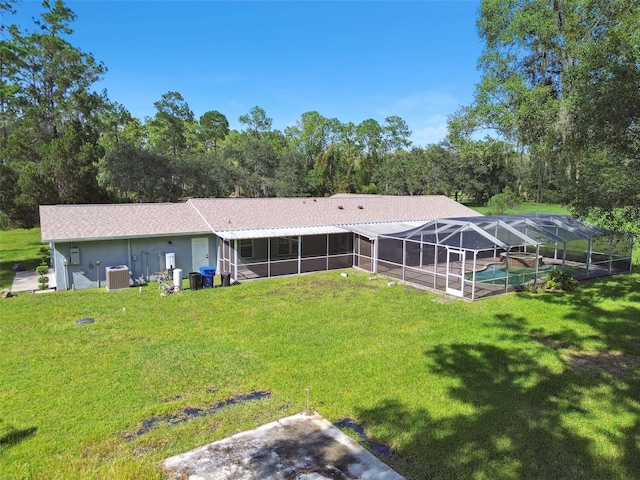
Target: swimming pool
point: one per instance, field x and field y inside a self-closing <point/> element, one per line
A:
<point x="495" y="274"/>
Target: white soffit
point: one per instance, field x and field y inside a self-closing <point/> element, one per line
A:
<point x="279" y="232"/>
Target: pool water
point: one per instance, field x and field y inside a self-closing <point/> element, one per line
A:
<point x="517" y="275"/>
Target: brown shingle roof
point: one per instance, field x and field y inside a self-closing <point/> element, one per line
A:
<point x="85" y="222"/>
<point x="251" y="213"/>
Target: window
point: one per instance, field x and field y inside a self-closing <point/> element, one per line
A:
<point x="287" y="246"/>
<point x="246" y="248"/>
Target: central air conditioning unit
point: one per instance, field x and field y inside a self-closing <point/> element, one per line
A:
<point x="117" y="277"/>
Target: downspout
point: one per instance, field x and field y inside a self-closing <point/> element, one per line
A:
<point x="133" y="273"/>
<point x="65" y="262"/>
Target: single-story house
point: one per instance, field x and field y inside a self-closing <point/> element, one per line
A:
<point x="264" y="237"/>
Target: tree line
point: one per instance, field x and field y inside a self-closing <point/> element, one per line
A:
<point x="561" y="83"/>
<point x="63" y="142"/>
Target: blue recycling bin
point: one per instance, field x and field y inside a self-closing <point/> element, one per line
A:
<point x="207" y="273"/>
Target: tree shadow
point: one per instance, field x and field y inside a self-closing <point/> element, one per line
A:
<point x="514" y="416"/>
<point x="625" y="286"/>
<point x="610" y="306"/>
<point x="14" y="436"/>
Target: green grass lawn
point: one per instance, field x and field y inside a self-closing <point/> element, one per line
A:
<point x="18" y="246"/>
<point x="513" y="387"/>
<point x="520" y="386"/>
<point x="528" y="207"/>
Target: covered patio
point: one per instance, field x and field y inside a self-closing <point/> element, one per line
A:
<point x="474" y="257"/>
<point x="275" y="252"/>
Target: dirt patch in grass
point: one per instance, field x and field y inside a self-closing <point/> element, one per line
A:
<point x="617" y="364"/>
<point x="554" y="341"/>
<point x="191" y="412"/>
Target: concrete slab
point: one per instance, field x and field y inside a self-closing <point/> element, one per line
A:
<point x="28" y="281"/>
<point x="300" y="447"/>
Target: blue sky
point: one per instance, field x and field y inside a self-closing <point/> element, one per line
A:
<point x="351" y="60"/>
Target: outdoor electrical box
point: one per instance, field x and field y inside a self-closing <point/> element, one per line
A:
<point x="170" y="260"/>
<point x="75" y="256"/>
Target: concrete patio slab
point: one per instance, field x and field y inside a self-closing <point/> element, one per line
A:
<point x="301" y="447"/>
<point x="27" y="281"/>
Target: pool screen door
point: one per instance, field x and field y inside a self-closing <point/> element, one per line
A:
<point x="455" y="272"/>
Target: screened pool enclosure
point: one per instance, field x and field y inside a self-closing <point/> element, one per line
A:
<point x="476" y="257"/>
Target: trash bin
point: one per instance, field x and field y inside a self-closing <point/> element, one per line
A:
<point x="195" y="280"/>
<point x="225" y="278"/>
<point x="207" y="273"/>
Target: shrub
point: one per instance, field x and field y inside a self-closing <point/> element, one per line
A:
<point x="43" y="280"/>
<point x="501" y="202"/>
<point x="45" y="255"/>
<point x="560" y="280"/>
<point x="42" y="269"/>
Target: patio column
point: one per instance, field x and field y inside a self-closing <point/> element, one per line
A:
<point x="269" y="257"/>
<point x="404" y="257"/>
<point x="435" y="266"/>
<point x="473" y="275"/>
<point x="326" y="253"/>
<point x="374" y="260"/>
<point x="506" y="272"/>
<point x="235" y="259"/>
<point x="535" y="275"/>
<point x="610" y="269"/>
<point x="299" y="253"/>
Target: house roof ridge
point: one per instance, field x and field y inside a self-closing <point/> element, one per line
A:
<point x="189" y="202"/>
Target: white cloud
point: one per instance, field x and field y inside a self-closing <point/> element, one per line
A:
<point x="429" y="102"/>
<point x="431" y="130"/>
<point x="426" y="114"/>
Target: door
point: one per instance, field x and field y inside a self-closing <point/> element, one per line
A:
<point x="199" y="253"/>
<point x="455" y="272"/>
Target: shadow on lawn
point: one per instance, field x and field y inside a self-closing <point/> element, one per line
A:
<point x="15" y="436"/>
<point x="618" y="325"/>
<point x="515" y="417"/>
